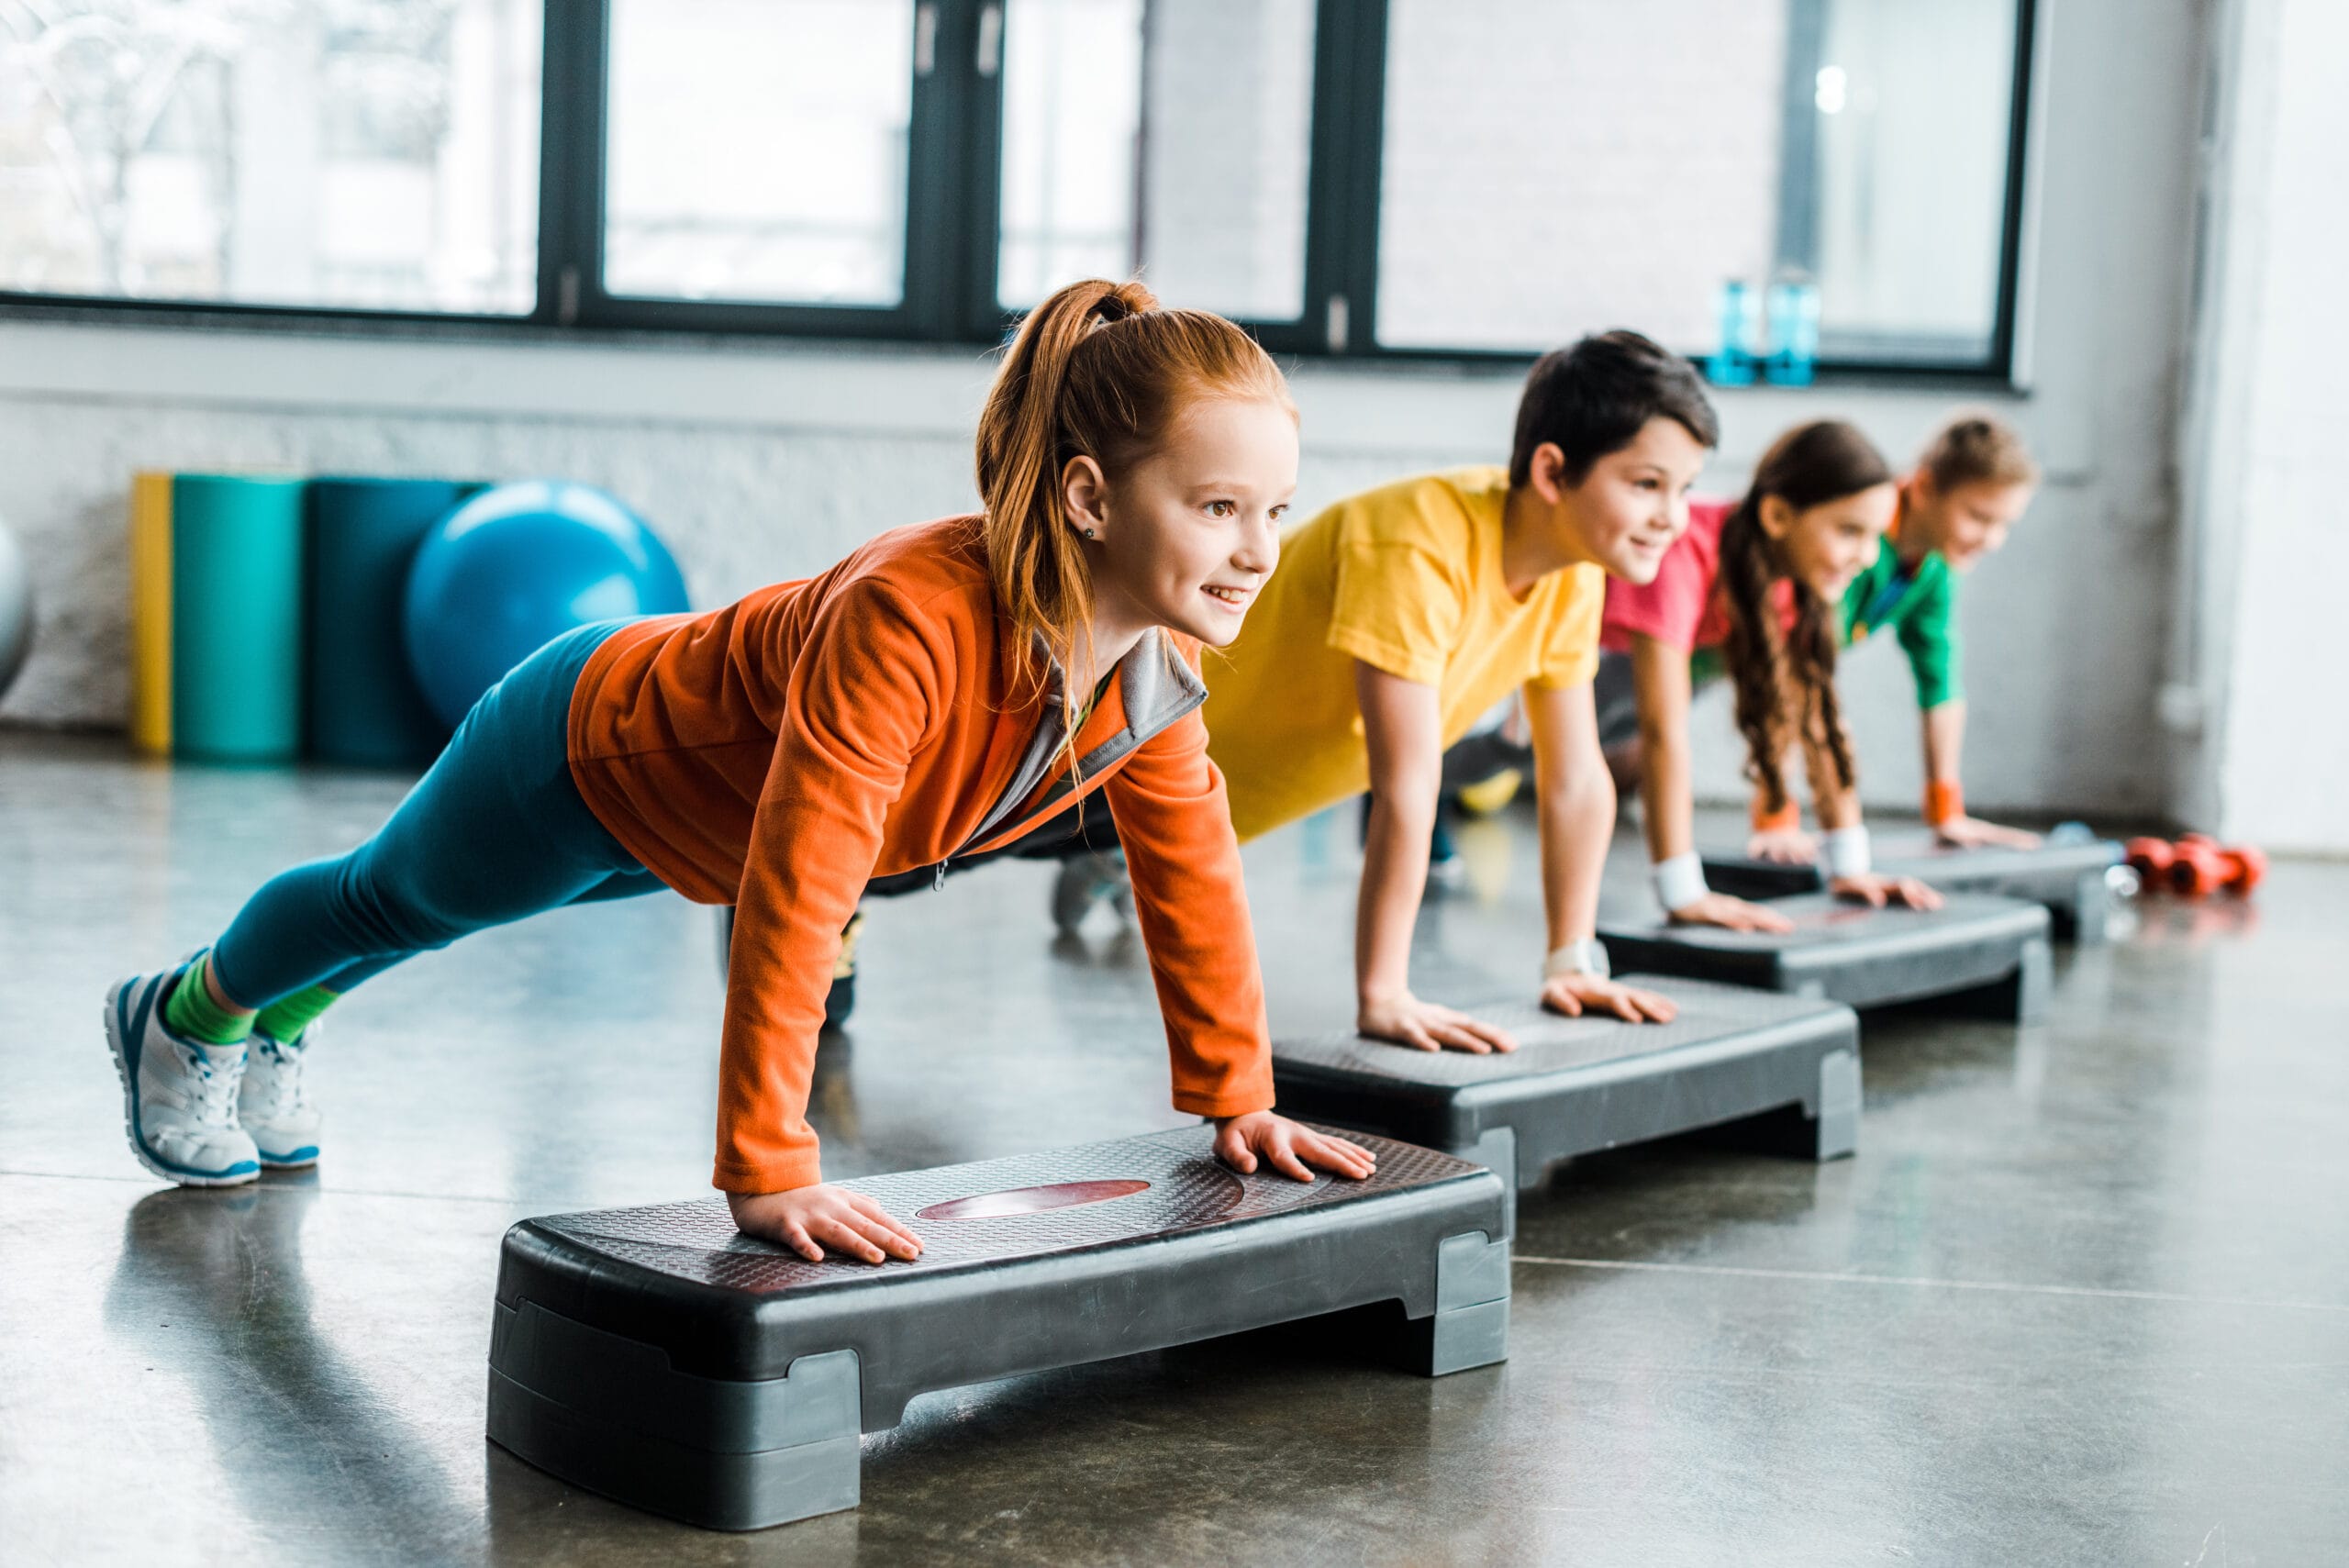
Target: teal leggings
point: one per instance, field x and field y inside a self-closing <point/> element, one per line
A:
<point x="495" y="832"/>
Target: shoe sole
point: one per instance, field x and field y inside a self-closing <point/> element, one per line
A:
<point x="125" y="1067"/>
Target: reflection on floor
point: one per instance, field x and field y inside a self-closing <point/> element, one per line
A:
<point x="2083" y="1297"/>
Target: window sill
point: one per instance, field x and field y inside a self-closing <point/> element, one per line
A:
<point x="1406" y="405"/>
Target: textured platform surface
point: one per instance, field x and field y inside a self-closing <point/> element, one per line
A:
<point x="2066" y="875"/>
<point x="1062" y="1200"/>
<point x="1551" y="1043"/>
<point x="1823" y="922"/>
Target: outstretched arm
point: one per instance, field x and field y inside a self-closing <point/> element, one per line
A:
<point x="1659" y="684"/>
<point x="1850" y="870"/>
<point x="1945" y="728"/>
<point x="1576" y="801"/>
<point x="1403" y="727"/>
<point x="1175" y="823"/>
<point x="859" y="701"/>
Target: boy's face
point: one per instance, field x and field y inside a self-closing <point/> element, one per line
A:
<point x="1633" y="503"/>
<point x="1965" y="522"/>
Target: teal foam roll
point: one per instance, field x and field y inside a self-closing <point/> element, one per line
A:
<point x="235" y="617"/>
<point x="362" y="706"/>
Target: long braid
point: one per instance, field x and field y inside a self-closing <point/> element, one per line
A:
<point x="1811" y="663"/>
<point x="1754" y="651"/>
<point x="1785" y="680"/>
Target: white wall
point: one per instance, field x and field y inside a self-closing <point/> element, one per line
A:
<point x="2269" y="404"/>
<point x="759" y="461"/>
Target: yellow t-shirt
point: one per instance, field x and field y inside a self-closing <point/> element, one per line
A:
<point x="1407" y="578"/>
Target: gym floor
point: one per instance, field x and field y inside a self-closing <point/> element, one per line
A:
<point x="2082" y="1297"/>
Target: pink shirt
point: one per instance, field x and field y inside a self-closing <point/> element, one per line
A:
<point x="1680" y="608"/>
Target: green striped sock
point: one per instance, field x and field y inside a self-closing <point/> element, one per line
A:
<point x="284" y="1019"/>
<point x="192" y="1013"/>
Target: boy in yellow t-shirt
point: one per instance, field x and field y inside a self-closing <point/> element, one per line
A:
<point x="1398" y="617"/>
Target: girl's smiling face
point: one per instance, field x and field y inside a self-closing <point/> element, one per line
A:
<point x="1827" y="545"/>
<point x="1187" y="532"/>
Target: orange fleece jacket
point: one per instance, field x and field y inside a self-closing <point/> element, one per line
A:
<point x="779" y="752"/>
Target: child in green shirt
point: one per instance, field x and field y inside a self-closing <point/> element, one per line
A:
<point x="1973" y="480"/>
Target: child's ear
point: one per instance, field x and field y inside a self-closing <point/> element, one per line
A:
<point x="1547" y="473"/>
<point x="1084" y="496"/>
<point x="1776" y="516"/>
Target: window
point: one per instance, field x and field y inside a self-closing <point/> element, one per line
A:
<point x="1165" y="136"/>
<point x="345" y="154"/>
<point x="1549" y="170"/>
<point x="1364" y="177"/>
<point x="1582" y="177"/>
<point x="1899" y="204"/>
<point x="757" y="149"/>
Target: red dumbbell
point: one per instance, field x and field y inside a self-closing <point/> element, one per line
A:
<point x="2150" y="858"/>
<point x="2201" y="866"/>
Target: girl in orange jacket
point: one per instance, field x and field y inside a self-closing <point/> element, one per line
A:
<point x="940" y="692"/>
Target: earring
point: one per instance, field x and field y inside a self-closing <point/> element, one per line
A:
<point x="1090" y="534"/>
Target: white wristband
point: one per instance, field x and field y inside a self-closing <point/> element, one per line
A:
<point x="1847" y="852"/>
<point x="1679" y="881"/>
<point x="1587" y="956"/>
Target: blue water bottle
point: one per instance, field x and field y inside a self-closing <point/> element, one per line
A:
<point x="1794" y="332"/>
<point x="1732" y="363"/>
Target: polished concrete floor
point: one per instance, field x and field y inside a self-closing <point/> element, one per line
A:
<point x="2082" y="1298"/>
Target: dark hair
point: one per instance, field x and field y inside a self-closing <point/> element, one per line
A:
<point x="1597" y="397"/>
<point x="1786" y="681"/>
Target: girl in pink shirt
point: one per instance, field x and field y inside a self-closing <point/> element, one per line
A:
<point x="1752" y="591"/>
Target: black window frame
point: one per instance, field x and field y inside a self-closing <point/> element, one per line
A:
<point x="954" y="205"/>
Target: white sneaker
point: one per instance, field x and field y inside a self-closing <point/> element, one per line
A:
<point x="178" y="1098"/>
<point x="274" y="1106"/>
<point x="1086" y="880"/>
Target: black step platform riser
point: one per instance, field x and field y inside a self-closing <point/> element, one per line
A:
<point x="1599" y="1106"/>
<point x="2067" y="879"/>
<point x="659" y="1357"/>
<point x="716" y="1491"/>
<point x="1977" y="953"/>
<point x="1885" y="979"/>
<point x="1058" y="1310"/>
<point x="1579" y="1086"/>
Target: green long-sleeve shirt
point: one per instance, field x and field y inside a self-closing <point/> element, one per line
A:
<point x="1919" y="608"/>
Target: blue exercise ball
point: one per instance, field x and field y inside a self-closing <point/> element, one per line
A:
<point x="516" y="567"/>
<point x="15" y="609"/>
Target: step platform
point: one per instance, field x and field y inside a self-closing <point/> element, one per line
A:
<point x="658" y="1356"/>
<point x="2066" y="875"/>
<point x="1576" y="1086"/>
<point x="1979" y="953"/>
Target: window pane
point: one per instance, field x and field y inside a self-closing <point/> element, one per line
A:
<point x="1910" y="104"/>
<point x="350" y="155"/>
<point x="1170" y="136"/>
<point x="1548" y="172"/>
<point x="758" y="149"/>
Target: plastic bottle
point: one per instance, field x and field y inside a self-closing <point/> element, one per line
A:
<point x="1732" y="363"/>
<point x="1793" y="311"/>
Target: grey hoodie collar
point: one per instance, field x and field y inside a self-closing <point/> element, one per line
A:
<point x="1156" y="687"/>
